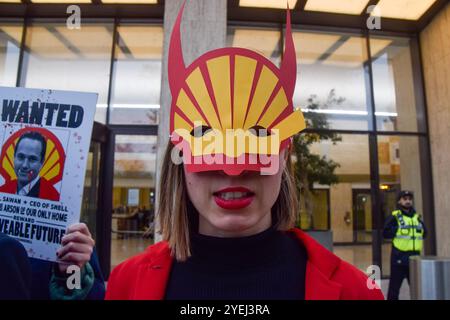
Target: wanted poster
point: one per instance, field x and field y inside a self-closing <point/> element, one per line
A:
<point x="44" y="138"/>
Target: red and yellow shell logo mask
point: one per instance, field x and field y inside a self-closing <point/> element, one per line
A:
<point x="232" y="108"/>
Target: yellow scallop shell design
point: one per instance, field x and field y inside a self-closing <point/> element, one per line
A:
<point x="230" y="108"/>
<point x="50" y="168"/>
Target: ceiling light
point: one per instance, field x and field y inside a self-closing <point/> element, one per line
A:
<point x="278" y="4"/>
<point x="131" y="1"/>
<point x="61" y="1"/>
<point x="92" y="41"/>
<point x="351" y="53"/>
<point x="148" y="47"/>
<point x="311" y="46"/>
<point x="334" y="6"/>
<point x="263" y="41"/>
<point x="404" y="9"/>
<point x="43" y="44"/>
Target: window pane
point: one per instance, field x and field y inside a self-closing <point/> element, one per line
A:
<point x="60" y="58"/>
<point x="349" y="199"/>
<point x="265" y="41"/>
<point x="331" y="78"/>
<point x="393" y="81"/>
<point x="318" y="220"/>
<point x="399" y="161"/>
<point x="10" y="39"/>
<point x="137" y="75"/>
<point x="133" y="196"/>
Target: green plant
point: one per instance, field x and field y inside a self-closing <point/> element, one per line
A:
<point x="312" y="168"/>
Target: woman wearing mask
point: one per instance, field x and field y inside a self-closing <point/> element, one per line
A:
<point x="227" y="201"/>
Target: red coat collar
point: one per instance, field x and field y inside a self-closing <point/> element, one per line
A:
<point x="155" y="270"/>
<point x="319" y="269"/>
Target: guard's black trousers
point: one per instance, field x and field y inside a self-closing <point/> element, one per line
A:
<point x="398" y="274"/>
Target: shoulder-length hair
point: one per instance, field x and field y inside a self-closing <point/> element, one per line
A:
<point x="175" y="210"/>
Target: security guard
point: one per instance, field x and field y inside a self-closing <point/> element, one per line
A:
<point x="407" y="230"/>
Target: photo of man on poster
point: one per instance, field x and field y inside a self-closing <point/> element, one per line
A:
<point x="29" y="157"/>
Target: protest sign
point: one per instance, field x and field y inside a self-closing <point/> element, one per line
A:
<point x="44" y="137"/>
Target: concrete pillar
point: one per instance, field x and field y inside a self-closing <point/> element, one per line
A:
<point x="203" y="28"/>
<point x="435" y="45"/>
<point x="404" y="90"/>
<point x="410" y="175"/>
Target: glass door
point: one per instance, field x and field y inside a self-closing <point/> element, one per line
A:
<point x="93" y="210"/>
<point x="133" y="195"/>
<point x="362" y="216"/>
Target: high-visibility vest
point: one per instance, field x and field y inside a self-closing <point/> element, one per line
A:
<point x="409" y="236"/>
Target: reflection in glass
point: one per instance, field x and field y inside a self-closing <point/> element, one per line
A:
<point x="393" y="81"/>
<point x="133" y="196"/>
<point x="69" y="59"/>
<point x="137" y="75"/>
<point x="10" y="39"/>
<point x="331" y="78"/>
<point x="262" y="40"/>
<point x="349" y="199"/>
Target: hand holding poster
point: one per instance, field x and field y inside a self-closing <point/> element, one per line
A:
<point x="44" y="138"/>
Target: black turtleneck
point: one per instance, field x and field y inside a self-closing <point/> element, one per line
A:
<point x="268" y="265"/>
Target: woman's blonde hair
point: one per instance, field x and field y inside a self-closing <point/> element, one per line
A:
<point x="175" y="210"/>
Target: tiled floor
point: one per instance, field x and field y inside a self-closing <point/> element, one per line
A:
<point x="121" y="249"/>
<point x="404" y="290"/>
<point x="361" y="255"/>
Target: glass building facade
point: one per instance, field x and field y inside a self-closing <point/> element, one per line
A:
<point x="366" y="85"/>
<point x="365" y="88"/>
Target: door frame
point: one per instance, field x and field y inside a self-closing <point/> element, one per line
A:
<point x="101" y="134"/>
<point x="355" y="192"/>
<point x="106" y="183"/>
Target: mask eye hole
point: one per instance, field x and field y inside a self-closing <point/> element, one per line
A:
<point x="259" y="131"/>
<point x="200" y="131"/>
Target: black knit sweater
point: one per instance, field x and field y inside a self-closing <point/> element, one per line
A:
<point x="268" y="265"/>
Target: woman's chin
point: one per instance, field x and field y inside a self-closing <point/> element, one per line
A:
<point x="234" y="225"/>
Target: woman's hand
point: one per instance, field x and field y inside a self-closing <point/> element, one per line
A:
<point x="77" y="246"/>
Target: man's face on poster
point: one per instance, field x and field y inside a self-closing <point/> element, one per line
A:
<point x="27" y="160"/>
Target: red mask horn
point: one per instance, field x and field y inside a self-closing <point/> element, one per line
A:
<point x="289" y="64"/>
<point x="176" y="66"/>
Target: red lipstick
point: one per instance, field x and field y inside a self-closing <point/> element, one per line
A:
<point x="233" y="198"/>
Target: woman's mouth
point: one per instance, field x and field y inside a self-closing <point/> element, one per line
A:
<point x="233" y="198"/>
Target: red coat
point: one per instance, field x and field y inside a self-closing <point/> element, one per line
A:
<point x="46" y="190"/>
<point x="144" y="277"/>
